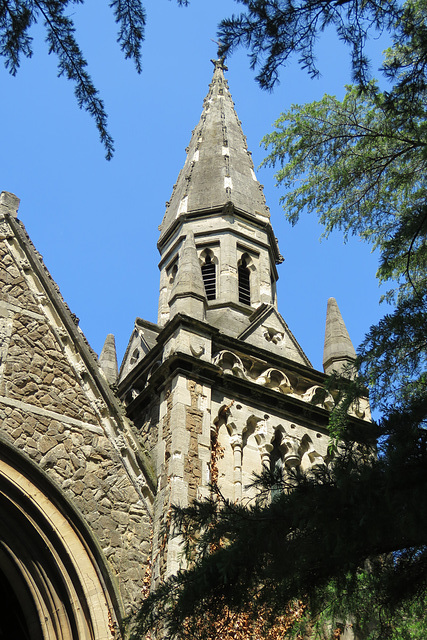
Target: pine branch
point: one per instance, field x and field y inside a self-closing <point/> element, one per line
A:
<point x="131" y="16"/>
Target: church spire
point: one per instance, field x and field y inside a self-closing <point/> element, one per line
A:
<point x="217" y="206"/>
<point x="218" y="168"/>
<point x="338" y="352"/>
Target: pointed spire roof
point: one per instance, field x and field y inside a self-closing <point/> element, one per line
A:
<point x="188" y="291"/>
<point x="108" y="359"/>
<point x="338" y="351"/>
<point x="218" y="168"/>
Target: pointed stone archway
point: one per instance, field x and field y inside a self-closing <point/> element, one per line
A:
<point x="54" y="583"/>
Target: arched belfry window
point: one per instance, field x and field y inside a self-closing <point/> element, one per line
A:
<point x="209" y="277"/>
<point x="244" y="282"/>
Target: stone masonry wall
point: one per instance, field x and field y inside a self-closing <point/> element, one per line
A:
<point x="50" y="412"/>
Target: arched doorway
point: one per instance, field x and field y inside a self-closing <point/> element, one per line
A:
<point x="52" y="585"/>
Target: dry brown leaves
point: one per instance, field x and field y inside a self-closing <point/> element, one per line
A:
<point x="244" y="626"/>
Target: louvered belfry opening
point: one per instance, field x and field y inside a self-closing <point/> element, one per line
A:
<point x="208" y="274"/>
<point x="244" y="283"/>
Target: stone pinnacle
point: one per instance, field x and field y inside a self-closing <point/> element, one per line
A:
<point x="108" y="359"/>
<point x="338" y="352"/>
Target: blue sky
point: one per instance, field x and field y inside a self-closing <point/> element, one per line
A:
<point x="95" y="222"/>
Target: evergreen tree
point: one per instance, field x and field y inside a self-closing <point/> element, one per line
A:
<point x="346" y="544"/>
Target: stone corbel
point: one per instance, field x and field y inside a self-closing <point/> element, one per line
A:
<point x="292" y="457"/>
<point x="222" y="417"/>
<point x="265" y="449"/>
<point x="261" y="433"/>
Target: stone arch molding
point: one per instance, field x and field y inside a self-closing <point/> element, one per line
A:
<point x="273" y="378"/>
<point x="52" y="568"/>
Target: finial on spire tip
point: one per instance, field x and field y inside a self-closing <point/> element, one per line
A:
<point x="219" y="64"/>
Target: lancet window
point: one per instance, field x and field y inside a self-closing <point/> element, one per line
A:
<point x="244" y="282"/>
<point x="209" y="277"/>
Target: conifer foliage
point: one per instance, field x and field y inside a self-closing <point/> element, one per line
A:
<point x="276" y="30"/>
<point x="16" y="19"/>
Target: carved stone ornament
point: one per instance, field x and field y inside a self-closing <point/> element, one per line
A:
<point x="230" y="363"/>
<point x="275" y="379"/>
<point x="101" y="407"/>
<point x="197" y="351"/>
<point x="62" y="334"/>
<point x="254" y="370"/>
<point x="319" y="396"/>
<point x="273" y="335"/>
<point x="120" y="443"/>
<point x="5" y="230"/>
<point x="80" y="368"/>
<point x="42" y="298"/>
<point x="292" y="457"/>
<point x="24" y="264"/>
<point x="142" y="482"/>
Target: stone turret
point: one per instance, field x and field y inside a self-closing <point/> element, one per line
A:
<point x="338" y="352"/>
<point x="221" y="368"/>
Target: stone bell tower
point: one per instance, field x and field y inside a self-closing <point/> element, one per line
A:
<point x="220" y="386"/>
